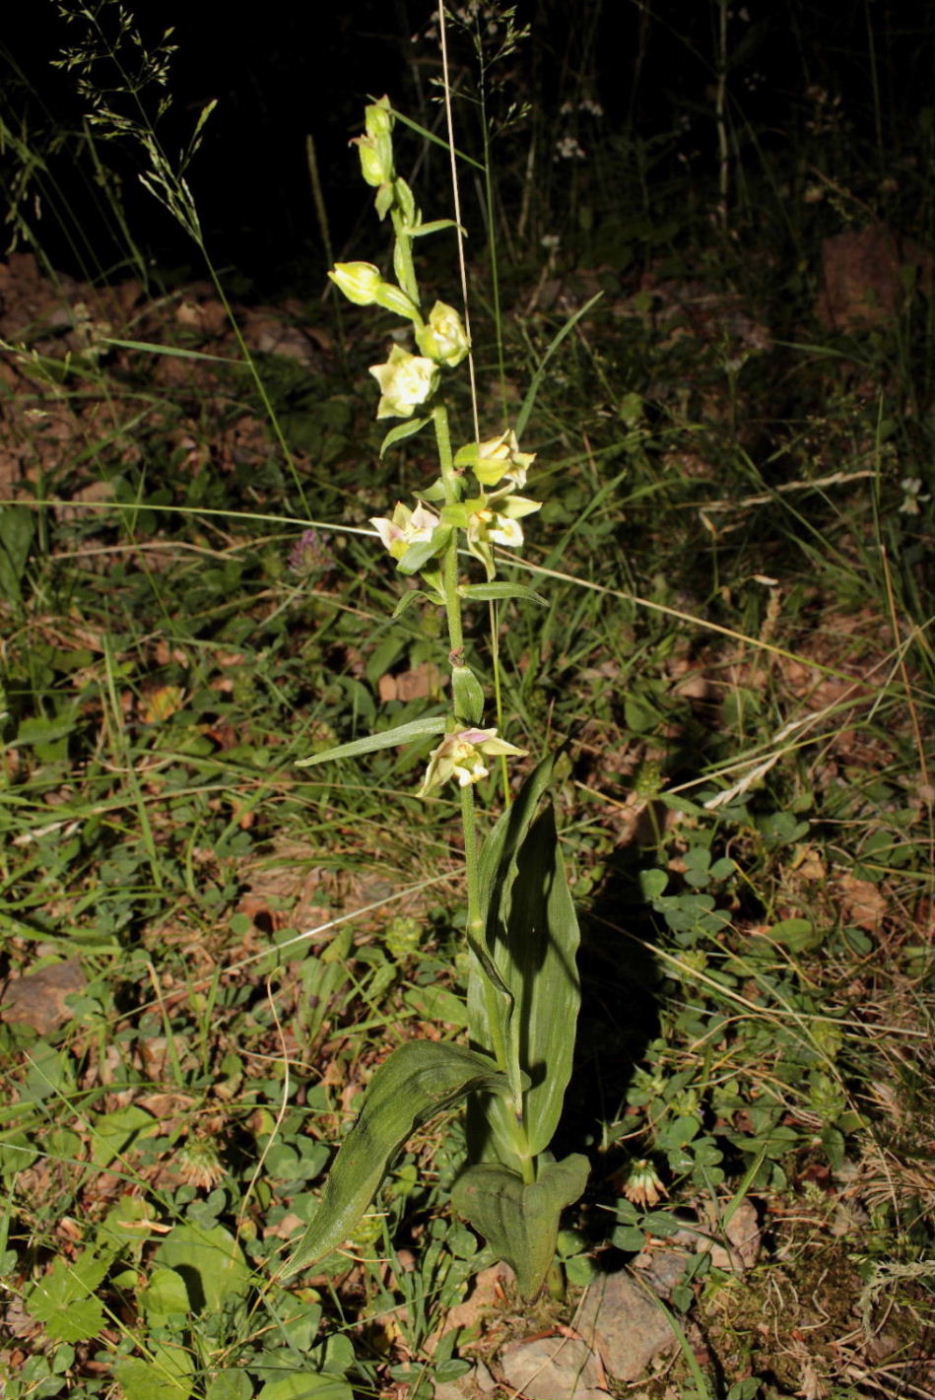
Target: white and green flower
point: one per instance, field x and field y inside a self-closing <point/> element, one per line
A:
<point x="498" y="459"/>
<point x="405" y="528"/>
<point x="405" y="381"/>
<point x="461" y="755"/>
<point x="443" y="337"/>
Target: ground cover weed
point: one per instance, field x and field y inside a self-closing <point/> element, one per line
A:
<point x="226" y="946"/>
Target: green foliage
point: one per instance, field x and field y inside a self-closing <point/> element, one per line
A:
<point x="520" y="1219"/>
<point x="419" y="1080"/>
<point x="731" y="622"/>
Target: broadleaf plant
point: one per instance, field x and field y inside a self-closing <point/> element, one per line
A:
<point x="522" y="934"/>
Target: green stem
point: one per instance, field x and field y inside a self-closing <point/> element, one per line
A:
<point x="450" y="557"/>
<point x="504" y="1048"/>
<point x="402" y="258"/>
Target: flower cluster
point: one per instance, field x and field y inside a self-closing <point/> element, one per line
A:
<point x="477" y="496"/>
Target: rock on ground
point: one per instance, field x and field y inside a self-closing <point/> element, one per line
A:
<point x="624" y="1325"/>
<point x="553" y="1368"/>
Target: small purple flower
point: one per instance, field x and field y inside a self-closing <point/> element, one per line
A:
<point x="311" y="554"/>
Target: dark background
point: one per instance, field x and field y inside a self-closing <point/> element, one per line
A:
<point x="284" y="69"/>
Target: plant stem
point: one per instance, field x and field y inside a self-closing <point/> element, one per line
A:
<point x="504" y="1049"/>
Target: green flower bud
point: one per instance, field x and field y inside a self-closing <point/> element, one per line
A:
<point x="360" y="282"/>
<point x="444" y="338"/>
<point x="376" y="159"/>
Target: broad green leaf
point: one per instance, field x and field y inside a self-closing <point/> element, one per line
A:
<point x="531" y="936"/>
<point x="210" y="1261"/>
<point x="467" y="694"/>
<point x="51" y="1074"/>
<point x="63" y="1300"/>
<point x="113" y="1132"/>
<point x="436" y="1003"/>
<point x="167" y="1375"/>
<point x="419" y="1080"/>
<point x="17" y="529"/>
<point x="230" y="1385"/>
<point x="403" y="431"/>
<point x="77" y="1320"/>
<point x="164" y="1294"/>
<point x="519" y="1221"/>
<point x="306" y="1385"/>
<point x="423" y="728"/>
<point x="489" y="592"/>
<point x="37" y="730"/>
<point x="798" y="935"/>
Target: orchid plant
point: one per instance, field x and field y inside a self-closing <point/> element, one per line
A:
<point x="522" y="933"/>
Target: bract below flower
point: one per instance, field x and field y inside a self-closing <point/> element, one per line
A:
<point x="443" y="337"/>
<point x="461" y="755"/>
<point x="405" y="527"/>
<point x="405" y="381"/>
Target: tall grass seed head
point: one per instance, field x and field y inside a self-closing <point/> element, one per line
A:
<point x="405" y="381"/>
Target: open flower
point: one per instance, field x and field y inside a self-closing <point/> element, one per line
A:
<point x="405" y="528"/>
<point x="461" y="755"/>
<point x="405" y="381"/>
<point x="443" y="337"/>
<point x="498" y="459"/>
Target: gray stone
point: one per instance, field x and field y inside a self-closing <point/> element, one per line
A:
<point x="553" y="1368"/>
<point x="621" y="1320"/>
<point x="663" y="1268"/>
<point x="476" y="1382"/>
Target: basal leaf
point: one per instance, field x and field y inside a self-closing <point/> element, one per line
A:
<point x="419" y="1080"/>
<point x="531" y="937"/>
<point x="424" y="728"/>
<point x="520" y="1221"/>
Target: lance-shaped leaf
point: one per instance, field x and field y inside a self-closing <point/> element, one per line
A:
<point x="420" y="1079"/>
<point x="491" y="592"/>
<point x="424" y="728"/>
<point x="531" y="936"/>
<point x="520" y="1221"/>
